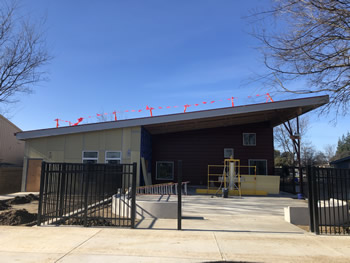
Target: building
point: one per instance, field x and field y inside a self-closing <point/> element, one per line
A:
<point x="11" y="157"/>
<point x="197" y="138"/>
<point x="11" y="149"/>
<point x="343" y="163"/>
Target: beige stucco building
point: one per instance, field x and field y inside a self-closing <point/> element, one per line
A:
<point x="11" y="149"/>
<point x="11" y="157"/>
<point x="121" y="145"/>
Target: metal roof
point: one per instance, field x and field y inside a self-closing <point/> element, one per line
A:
<point x="340" y="160"/>
<point x="273" y="112"/>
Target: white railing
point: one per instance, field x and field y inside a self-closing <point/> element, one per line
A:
<point x="161" y="189"/>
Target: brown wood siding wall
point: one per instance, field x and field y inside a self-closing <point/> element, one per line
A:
<point x="197" y="149"/>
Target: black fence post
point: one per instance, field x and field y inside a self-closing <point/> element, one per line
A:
<point x="62" y="188"/>
<point x="133" y="195"/>
<point x="310" y="201"/>
<point x="315" y="201"/>
<point x="87" y="179"/>
<point x="42" y="177"/>
<point x="179" y="194"/>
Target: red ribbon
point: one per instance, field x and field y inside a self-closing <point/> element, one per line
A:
<point x="268" y="97"/>
<point x="79" y="121"/>
<point x="150" y="110"/>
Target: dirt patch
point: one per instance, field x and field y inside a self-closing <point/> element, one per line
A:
<point x="21" y="210"/>
<point x="4" y="205"/>
<point x="22" y="199"/>
<point x="90" y="222"/>
<point x="330" y="230"/>
<point x="17" y="217"/>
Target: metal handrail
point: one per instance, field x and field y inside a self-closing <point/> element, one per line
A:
<point x="161" y="189"/>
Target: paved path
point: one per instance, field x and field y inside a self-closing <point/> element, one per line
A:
<point x="251" y="229"/>
<point x="246" y="214"/>
<point x="78" y="244"/>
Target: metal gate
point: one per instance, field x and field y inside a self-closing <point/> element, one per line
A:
<point x="329" y="200"/>
<point x="87" y="194"/>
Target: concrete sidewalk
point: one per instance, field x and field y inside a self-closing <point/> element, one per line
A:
<point x="78" y="244"/>
<point x="250" y="229"/>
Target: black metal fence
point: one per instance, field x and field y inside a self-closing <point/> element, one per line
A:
<point x="329" y="200"/>
<point x="290" y="179"/>
<point x="87" y="194"/>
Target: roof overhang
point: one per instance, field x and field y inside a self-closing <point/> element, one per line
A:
<point x="274" y="113"/>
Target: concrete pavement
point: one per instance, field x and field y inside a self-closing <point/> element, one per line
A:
<point x="78" y="244"/>
<point x="250" y="229"/>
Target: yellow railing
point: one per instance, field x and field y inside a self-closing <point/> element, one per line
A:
<point x="218" y="175"/>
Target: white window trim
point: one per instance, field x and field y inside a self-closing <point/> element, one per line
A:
<point x="157" y="170"/>
<point x="249" y="133"/>
<point x="82" y="156"/>
<point x="107" y="159"/>
<point x="258" y="160"/>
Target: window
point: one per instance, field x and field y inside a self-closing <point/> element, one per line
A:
<point x="261" y="167"/>
<point x="165" y="171"/>
<point x="249" y="139"/>
<point x="228" y="153"/>
<point x="90" y="157"/>
<point x="113" y="157"/>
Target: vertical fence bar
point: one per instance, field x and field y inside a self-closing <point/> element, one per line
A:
<point x="332" y="211"/>
<point x="179" y="194"/>
<point x="315" y="201"/>
<point x="61" y="189"/>
<point x="319" y="180"/>
<point x="342" y="173"/>
<point x="42" y="177"/>
<point x="347" y="195"/>
<point x="336" y="195"/>
<point x="133" y="193"/>
<point x="87" y="179"/>
<point x="324" y="177"/>
<point x="310" y="200"/>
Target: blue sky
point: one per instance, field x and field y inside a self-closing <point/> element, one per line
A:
<point x="124" y="55"/>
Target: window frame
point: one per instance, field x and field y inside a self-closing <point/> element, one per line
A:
<point x="244" y="133"/>
<point x="107" y="159"/>
<point x="165" y="179"/>
<point x="90" y="158"/>
<point x="258" y="160"/>
<point x="233" y="153"/>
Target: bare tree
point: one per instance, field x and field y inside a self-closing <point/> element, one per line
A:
<point x="310" y="45"/>
<point x="22" y="53"/>
<point x="329" y="151"/>
<point x="282" y="136"/>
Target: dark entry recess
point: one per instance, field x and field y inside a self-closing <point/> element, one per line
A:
<point x="87" y="194"/>
<point x="329" y="200"/>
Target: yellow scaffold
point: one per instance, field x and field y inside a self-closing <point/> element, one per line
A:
<point x="229" y="176"/>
